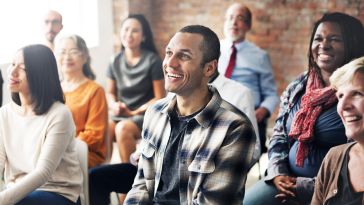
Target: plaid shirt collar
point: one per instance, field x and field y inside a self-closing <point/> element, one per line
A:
<point x="205" y="117"/>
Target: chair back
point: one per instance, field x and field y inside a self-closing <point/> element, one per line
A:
<point x="82" y="153"/>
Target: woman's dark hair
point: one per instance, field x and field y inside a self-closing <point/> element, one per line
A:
<point x="42" y="76"/>
<point x="82" y="47"/>
<point x="148" y="42"/>
<point x="353" y="37"/>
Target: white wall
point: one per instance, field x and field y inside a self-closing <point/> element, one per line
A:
<point x="100" y="54"/>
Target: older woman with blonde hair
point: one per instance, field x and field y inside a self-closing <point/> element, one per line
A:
<point x="340" y="179"/>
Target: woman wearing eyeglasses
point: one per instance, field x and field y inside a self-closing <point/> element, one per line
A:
<point x="38" y="159"/>
<point x="85" y="98"/>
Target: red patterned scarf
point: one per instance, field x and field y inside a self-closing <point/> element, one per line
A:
<point x="316" y="99"/>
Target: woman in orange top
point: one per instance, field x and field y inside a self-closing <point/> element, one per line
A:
<point x="85" y="98"/>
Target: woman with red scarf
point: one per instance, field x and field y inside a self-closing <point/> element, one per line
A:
<point x="308" y="124"/>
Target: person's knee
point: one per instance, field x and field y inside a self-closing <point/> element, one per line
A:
<point x="125" y="130"/>
<point x="261" y="193"/>
<point x="93" y="175"/>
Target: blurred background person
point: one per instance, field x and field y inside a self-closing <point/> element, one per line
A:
<point x="308" y="124"/>
<point x="242" y="98"/>
<point x="51" y="27"/>
<point x="37" y="144"/>
<point x="341" y="176"/>
<point x="85" y="98"/>
<point x="244" y="62"/>
<point x="135" y="80"/>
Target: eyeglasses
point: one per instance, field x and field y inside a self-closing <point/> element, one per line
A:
<point x="236" y="17"/>
<point x="71" y="53"/>
<point x="53" y="22"/>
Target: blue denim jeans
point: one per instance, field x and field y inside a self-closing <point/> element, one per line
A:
<point x="46" y="198"/>
<point x="261" y="193"/>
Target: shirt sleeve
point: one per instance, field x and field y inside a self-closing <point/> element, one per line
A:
<point x="96" y="123"/>
<point x="246" y="105"/>
<point x="109" y="72"/>
<point x="139" y="192"/>
<point x="59" y="135"/>
<point x="278" y="146"/>
<point x="267" y="85"/>
<point x="225" y="184"/>
<point x="156" y="68"/>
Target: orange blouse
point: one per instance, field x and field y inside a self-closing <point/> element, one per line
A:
<point x="89" y="110"/>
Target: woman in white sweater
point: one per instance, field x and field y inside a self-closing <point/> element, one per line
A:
<point x="38" y="160"/>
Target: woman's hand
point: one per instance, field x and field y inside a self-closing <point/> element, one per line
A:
<point x="120" y="109"/>
<point x="286" y="186"/>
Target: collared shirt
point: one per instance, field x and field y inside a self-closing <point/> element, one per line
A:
<point x="242" y="98"/>
<point x="217" y="151"/>
<point x="252" y="69"/>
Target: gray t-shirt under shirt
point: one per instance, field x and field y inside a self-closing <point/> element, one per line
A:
<point x="135" y="83"/>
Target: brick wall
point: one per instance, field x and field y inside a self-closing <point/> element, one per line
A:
<point x="282" y="27"/>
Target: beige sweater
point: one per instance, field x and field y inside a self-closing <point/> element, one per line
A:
<point x="38" y="153"/>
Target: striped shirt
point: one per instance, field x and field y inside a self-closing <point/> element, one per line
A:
<point x="216" y="152"/>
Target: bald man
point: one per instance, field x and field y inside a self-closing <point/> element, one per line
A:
<point x="52" y="26"/>
<point x="250" y="66"/>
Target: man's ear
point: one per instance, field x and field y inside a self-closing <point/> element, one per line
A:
<point x="210" y="68"/>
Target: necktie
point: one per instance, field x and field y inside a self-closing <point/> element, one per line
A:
<point x="231" y="65"/>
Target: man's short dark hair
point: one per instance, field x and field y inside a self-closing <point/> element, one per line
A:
<point x="210" y="45"/>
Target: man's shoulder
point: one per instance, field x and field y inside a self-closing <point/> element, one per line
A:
<point x="161" y="103"/>
<point x="231" y="112"/>
<point x="232" y="90"/>
<point x="254" y="49"/>
<point x="230" y="108"/>
<point x="228" y="84"/>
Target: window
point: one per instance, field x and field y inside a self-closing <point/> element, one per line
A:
<point x="21" y="22"/>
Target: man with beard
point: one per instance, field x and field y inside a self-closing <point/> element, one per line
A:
<point x="52" y="26"/>
<point x="196" y="149"/>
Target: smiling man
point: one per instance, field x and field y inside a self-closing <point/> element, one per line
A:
<point x="196" y="148"/>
